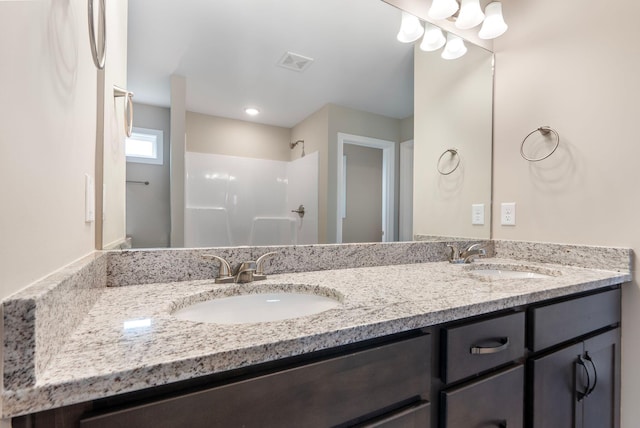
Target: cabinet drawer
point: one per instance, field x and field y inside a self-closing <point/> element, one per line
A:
<point x="473" y="348"/>
<point x="558" y="322"/>
<point x="319" y="394"/>
<point x="494" y="401"/>
<point x="416" y="416"/>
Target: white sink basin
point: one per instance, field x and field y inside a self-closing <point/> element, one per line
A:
<point x="259" y="307"/>
<point x="500" y="273"/>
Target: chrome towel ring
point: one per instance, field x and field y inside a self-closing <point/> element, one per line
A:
<point x="544" y="130"/>
<point x="128" y="108"/>
<point x="454" y="153"/>
<point x="98" y="58"/>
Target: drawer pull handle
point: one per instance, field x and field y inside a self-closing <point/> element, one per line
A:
<point x="483" y="350"/>
<point x="581" y="395"/>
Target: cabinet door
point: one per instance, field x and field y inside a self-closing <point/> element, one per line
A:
<point x="416" y="416"/>
<point x="553" y="384"/>
<point x="322" y="394"/>
<point x="493" y="402"/>
<point x="601" y="408"/>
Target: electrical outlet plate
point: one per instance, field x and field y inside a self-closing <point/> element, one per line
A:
<point x="477" y="214"/>
<point x="508" y="213"/>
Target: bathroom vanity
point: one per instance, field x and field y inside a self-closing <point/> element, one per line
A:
<point x="423" y="344"/>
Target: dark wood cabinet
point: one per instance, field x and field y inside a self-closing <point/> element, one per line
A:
<point x="494" y="401"/>
<point x="479" y="346"/>
<point x="577" y="385"/>
<point x="573" y="374"/>
<point x="376" y="385"/>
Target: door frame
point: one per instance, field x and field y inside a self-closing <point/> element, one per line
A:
<point x="405" y="211"/>
<point x="388" y="182"/>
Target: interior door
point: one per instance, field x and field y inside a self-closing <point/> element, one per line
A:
<point x="363" y="214"/>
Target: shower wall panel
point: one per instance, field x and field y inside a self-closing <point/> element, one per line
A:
<point x="233" y="200"/>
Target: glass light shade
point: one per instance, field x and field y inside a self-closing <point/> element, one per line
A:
<point x="493" y="25"/>
<point x="410" y="28"/>
<point x="455" y="47"/>
<point x="470" y="14"/>
<point x="433" y="38"/>
<point x="442" y="9"/>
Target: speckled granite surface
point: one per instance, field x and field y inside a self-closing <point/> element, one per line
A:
<point x="102" y="358"/>
<point x="64" y="340"/>
<point x="61" y="301"/>
<point x="152" y="266"/>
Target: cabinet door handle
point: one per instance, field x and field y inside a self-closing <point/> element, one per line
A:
<point x="483" y="350"/>
<point x="581" y="362"/>
<point x="595" y="373"/>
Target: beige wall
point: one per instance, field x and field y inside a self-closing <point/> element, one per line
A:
<point x="113" y="129"/>
<point x="453" y="110"/>
<point x="314" y="131"/>
<point x="231" y="137"/>
<point x="574" y="67"/>
<point x="47" y="138"/>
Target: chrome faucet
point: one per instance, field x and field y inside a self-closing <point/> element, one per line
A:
<point x="260" y="266"/>
<point x="471" y="252"/>
<point x="246" y="272"/>
<point x="224" y="272"/>
<point x="466" y="256"/>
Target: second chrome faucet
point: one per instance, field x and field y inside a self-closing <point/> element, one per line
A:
<point x="465" y="256"/>
<point x="248" y="271"/>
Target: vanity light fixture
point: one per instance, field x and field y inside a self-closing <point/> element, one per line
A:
<point x="410" y="28"/>
<point x="455" y="47"/>
<point x="252" y="111"/>
<point x="433" y="38"/>
<point x="442" y="9"/>
<point x="493" y="25"/>
<point x="470" y="14"/>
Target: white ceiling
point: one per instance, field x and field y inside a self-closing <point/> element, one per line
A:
<point x="228" y="51"/>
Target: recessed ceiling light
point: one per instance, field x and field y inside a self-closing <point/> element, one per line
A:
<point x="252" y="111"/>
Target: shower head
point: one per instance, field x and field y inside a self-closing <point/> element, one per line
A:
<point x="292" y="145"/>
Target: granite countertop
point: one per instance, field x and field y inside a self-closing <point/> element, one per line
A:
<point x="103" y="358"/>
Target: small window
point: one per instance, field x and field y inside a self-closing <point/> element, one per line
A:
<point x="144" y="146"/>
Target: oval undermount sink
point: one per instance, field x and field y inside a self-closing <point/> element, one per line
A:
<point x="256" y="307"/>
<point x="511" y="271"/>
<point x="501" y="273"/>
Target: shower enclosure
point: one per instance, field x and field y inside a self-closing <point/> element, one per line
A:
<point x="234" y="201"/>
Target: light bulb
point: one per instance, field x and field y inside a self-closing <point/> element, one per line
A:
<point x="470" y="14"/>
<point x="493" y="25"/>
<point x="442" y="9"/>
<point x="252" y="111"/>
<point x="454" y="48"/>
<point x="410" y="28"/>
<point x="433" y="38"/>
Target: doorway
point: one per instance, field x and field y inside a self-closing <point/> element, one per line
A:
<point x="387" y="211"/>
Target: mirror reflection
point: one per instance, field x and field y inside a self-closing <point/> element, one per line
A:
<point x="325" y="74"/>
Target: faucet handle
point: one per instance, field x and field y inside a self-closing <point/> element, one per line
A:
<point x="474" y="246"/>
<point x="224" y="272"/>
<point x="260" y="265"/>
<point x="454" y="255"/>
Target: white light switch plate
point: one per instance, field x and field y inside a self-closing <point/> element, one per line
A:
<point x="508" y="213"/>
<point x="477" y="214"/>
<point x="89" y="199"/>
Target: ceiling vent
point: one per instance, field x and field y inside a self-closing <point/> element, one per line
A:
<point x="295" y="62"/>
